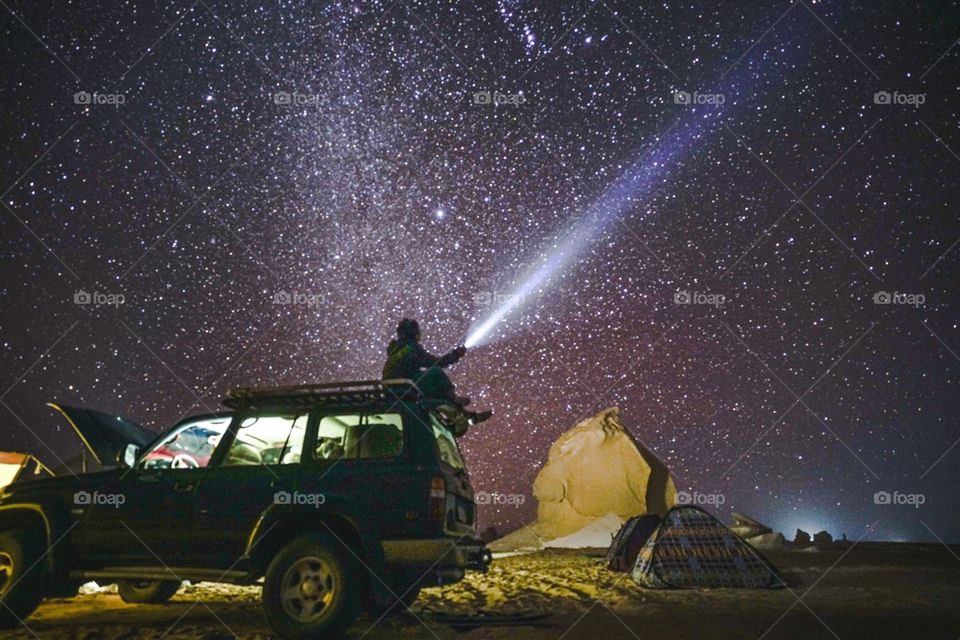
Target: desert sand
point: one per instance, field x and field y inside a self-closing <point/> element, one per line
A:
<point x="874" y="590"/>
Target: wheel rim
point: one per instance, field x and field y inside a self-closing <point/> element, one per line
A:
<point x="307" y="589"/>
<point x="6" y="571"/>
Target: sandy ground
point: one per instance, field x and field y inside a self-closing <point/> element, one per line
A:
<point x="874" y="591"/>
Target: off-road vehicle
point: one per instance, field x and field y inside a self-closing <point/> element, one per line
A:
<point x="335" y="496"/>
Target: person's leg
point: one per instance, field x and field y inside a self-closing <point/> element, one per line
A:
<point x="435" y="383"/>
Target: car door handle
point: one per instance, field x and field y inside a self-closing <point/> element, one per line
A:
<point x="184" y="485"/>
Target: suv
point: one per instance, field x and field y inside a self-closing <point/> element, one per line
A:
<point x="338" y="496"/>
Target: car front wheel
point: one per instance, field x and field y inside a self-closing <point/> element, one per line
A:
<point x="311" y="589"/>
<point x="147" y="591"/>
<point x="21" y="577"/>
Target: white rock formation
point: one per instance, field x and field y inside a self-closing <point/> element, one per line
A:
<point x="596" y="474"/>
<point x="599" y="533"/>
<point x="767" y="541"/>
<point x="747" y="527"/>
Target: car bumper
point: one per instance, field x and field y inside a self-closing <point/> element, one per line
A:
<point x="442" y="553"/>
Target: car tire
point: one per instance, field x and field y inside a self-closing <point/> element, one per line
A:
<point x="312" y="589"/>
<point x="147" y="591"/>
<point x="21" y="577"/>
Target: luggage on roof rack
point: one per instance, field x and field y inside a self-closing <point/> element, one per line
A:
<point x="330" y="393"/>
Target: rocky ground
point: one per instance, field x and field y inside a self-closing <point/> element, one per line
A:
<point x="873" y="591"/>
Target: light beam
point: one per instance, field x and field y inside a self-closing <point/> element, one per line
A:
<point x="630" y="189"/>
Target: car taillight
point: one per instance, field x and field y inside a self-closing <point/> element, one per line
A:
<point x="438" y="500"/>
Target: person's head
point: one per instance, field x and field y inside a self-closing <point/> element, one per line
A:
<point x="408" y="329"/>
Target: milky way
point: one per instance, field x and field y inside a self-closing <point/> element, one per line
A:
<point x="256" y="193"/>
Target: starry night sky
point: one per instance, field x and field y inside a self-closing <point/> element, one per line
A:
<point x="387" y="189"/>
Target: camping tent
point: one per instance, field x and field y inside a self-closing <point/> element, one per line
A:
<point x="623" y="551"/>
<point x="691" y="548"/>
<point x="14" y="465"/>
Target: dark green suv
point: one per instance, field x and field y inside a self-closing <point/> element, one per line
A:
<point x="338" y="496"/>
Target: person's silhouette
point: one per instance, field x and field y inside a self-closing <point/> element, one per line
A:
<point x="407" y="359"/>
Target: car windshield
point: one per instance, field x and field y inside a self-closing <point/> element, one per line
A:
<point x="446" y="443"/>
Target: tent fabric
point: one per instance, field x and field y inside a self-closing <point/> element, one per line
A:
<point x="623" y="551"/>
<point x="691" y="548"/>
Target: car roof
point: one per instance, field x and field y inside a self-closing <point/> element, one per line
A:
<point x="334" y="394"/>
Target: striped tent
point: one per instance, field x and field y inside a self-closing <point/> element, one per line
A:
<point x="691" y="548"/>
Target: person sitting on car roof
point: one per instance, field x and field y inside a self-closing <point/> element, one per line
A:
<point x="407" y="359"/>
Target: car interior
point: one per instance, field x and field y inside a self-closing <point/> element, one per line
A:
<point x="187" y="447"/>
<point x="359" y="436"/>
<point x="268" y="440"/>
<point x="279" y="439"/>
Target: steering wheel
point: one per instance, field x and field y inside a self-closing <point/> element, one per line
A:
<point x="184" y="461"/>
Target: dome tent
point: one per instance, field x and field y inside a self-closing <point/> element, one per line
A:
<point x="691" y="548"/>
<point x="623" y="551"/>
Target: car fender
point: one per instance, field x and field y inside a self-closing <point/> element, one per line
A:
<point x="340" y="523"/>
<point x="53" y="526"/>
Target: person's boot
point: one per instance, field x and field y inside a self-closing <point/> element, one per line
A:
<point x="476" y="418"/>
<point x="462" y="400"/>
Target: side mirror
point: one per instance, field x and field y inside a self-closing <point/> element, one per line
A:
<point x="128" y="457"/>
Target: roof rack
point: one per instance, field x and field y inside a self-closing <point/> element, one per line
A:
<point x="331" y="393"/>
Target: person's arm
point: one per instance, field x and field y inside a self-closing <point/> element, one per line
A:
<point x="424" y="359"/>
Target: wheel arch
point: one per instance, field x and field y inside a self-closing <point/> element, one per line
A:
<point x="275" y="529"/>
<point x="31" y="517"/>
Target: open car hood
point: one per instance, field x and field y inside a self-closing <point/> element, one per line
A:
<point x="104" y="435"/>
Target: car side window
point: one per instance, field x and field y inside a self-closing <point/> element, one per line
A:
<point x="267" y="439"/>
<point x="355" y="436"/>
<point x="189" y="446"/>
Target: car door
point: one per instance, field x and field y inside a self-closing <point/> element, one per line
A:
<point x="258" y="468"/>
<point x="145" y="515"/>
<point x="361" y="453"/>
<point x="149" y="521"/>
